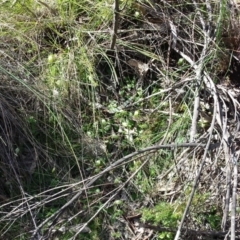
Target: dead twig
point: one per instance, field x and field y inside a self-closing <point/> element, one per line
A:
<point x="116" y="17"/>
<point x="199" y="171"/>
<point x="234" y="197"/>
<point x="226" y="148"/>
<point x="198" y="70"/>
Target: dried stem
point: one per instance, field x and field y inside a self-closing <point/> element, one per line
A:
<point x="234" y="197"/>
<point x="199" y="171"/>
<point x="116" y="17"/>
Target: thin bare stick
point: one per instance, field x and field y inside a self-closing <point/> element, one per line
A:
<point x="226" y="150"/>
<point x="234" y="197"/>
<point x="198" y="70"/>
<point x="116" y="17"/>
<point x="199" y="172"/>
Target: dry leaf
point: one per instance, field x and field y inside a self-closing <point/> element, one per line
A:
<point x="140" y="67"/>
